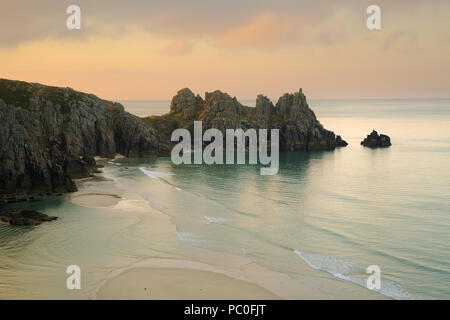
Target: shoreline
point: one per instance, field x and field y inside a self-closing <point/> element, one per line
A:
<point x="183" y="279"/>
<point x="183" y="276"/>
<point x="95" y="200"/>
<point x="204" y="274"/>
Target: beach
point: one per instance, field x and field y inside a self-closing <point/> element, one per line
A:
<point x="229" y="277"/>
<point x="145" y="228"/>
<point x="93" y="200"/>
<point x="180" y="284"/>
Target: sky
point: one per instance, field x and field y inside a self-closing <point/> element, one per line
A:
<point x="142" y="50"/>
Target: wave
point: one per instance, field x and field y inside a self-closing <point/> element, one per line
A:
<point x="342" y="269"/>
<point x="155" y="174"/>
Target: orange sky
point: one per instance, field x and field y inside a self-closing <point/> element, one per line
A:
<point x="271" y="47"/>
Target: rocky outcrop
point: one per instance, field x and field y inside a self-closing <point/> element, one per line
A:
<point x="49" y="136"/>
<point x="374" y="140"/>
<point x="187" y="103"/>
<point x="340" y="142"/>
<point x="298" y="125"/>
<point x="25" y="217"/>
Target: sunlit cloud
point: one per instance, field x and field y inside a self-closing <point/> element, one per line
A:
<point x="150" y="49"/>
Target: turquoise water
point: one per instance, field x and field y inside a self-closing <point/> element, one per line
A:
<point x="322" y="220"/>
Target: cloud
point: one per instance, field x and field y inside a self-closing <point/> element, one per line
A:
<point x="34" y="20"/>
<point x="241" y="46"/>
<point x="402" y="40"/>
<point x="261" y="23"/>
<point x="178" y="48"/>
<point x="266" y="30"/>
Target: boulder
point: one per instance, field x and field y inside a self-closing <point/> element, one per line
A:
<point x="340" y="142"/>
<point x="374" y="140"/>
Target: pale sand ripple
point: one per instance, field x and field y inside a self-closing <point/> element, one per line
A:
<point x="95" y="200"/>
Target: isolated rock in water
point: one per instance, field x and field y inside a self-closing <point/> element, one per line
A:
<point x="340" y="142"/>
<point x="374" y="140"/>
<point x="25" y="217"/>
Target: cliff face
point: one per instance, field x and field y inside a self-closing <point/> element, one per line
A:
<point x="49" y="135"/>
<point x="298" y="125"/>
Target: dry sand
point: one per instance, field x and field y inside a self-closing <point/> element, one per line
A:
<point x="191" y="280"/>
<point x="180" y="284"/>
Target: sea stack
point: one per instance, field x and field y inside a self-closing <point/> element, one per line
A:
<point x="374" y="140"/>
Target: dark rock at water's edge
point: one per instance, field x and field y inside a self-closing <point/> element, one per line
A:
<point x="340" y="142"/>
<point x="374" y="140"/>
<point x="50" y="136"/>
<point x="25" y="217"/>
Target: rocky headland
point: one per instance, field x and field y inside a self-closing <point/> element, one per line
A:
<point x="375" y="140"/>
<point x="49" y="136"/>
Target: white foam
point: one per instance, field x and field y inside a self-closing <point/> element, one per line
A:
<point x="155" y="174"/>
<point x="329" y="264"/>
<point x="341" y="269"/>
<point x="188" y="237"/>
<point x="246" y="251"/>
<point x="215" y="220"/>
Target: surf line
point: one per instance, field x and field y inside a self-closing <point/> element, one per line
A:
<point x="235" y="140"/>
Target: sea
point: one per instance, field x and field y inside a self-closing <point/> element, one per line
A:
<point x="325" y="220"/>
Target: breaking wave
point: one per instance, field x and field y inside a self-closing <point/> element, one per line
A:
<point x="342" y="269"/>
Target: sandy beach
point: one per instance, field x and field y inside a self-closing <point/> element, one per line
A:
<point x="180" y="270"/>
<point x="182" y="284"/>
<point x="95" y="200"/>
<point x="160" y="279"/>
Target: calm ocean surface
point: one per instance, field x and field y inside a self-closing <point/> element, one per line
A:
<point x="322" y="220"/>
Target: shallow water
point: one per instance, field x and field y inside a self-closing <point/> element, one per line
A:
<point x="322" y="220"/>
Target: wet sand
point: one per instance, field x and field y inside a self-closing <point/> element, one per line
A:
<point x="95" y="200"/>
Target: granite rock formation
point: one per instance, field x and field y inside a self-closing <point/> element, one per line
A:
<point x="298" y="125"/>
<point x="374" y="140"/>
<point x="50" y="136"/>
